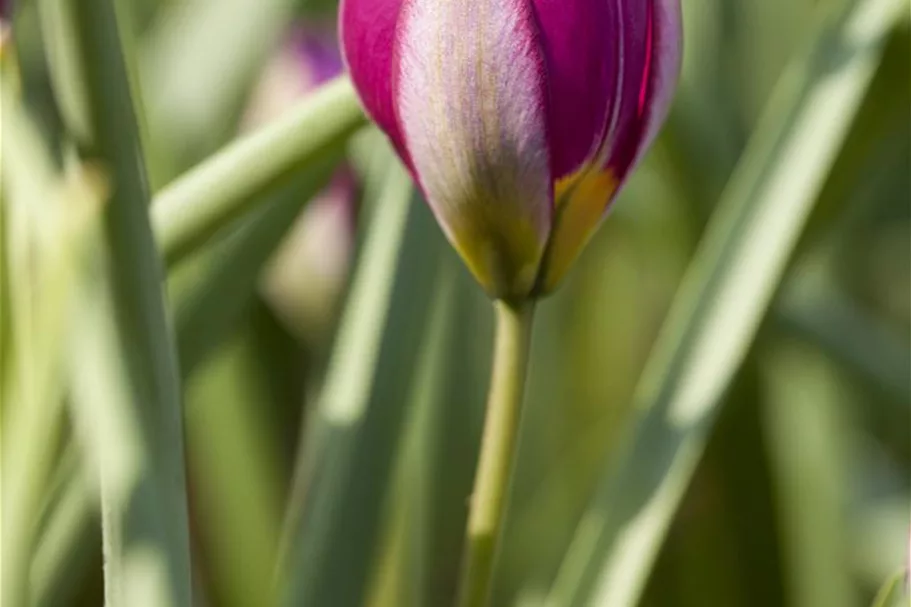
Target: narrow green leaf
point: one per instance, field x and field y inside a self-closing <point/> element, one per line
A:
<point x="399" y="578"/>
<point x="437" y="462"/>
<point x="808" y="444"/>
<point x="237" y="485"/>
<point x="186" y="213"/>
<point x="63" y="52"/>
<point x="725" y="295"/>
<point x="875" y="148"/>
<point x="844" y="331"/>
<point x="43" y="234"/>
<point x="447" y="409"/>
<point x="891" y="592"/>
<point x="69" y="537"/>
<point x="350" y="445"/>
<point x="133" y="379"/>
<point x="140" y="551"/>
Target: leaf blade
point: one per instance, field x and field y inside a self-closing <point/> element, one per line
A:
<point x="724" y="298"/>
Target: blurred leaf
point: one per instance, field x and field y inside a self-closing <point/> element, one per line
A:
<point x="131" y="386"/>
<point x="69" y="536"/>
<point x="351" y="441"/>
<point x="236" y="506"/>
<point x="891" y="592"/>
<point x="870" y="148"/>
<point x="63" y="52"/>
<point x="449" y="443"/>
<point x="197" y="65"/>
<point x="881" y="536"/>
<point x="809" y="448"/>
<point x="437" y="464"/>
<point x="216" y="302"/>
<point x="725" y="295"/>
<point x="186" y="213"/>
<point x="400" y="578"/>
<point x="840" y="328"/>
<point x="137" y="543"/>
<point x="44" y="232"/>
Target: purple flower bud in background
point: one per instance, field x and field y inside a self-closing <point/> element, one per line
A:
<point x="519" y="119"/>
<point x="308" y="57"/>
<point x="305" y="278"/>
<point x="6" y="10"/>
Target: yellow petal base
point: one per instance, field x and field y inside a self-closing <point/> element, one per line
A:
<point x="581" y="201"/>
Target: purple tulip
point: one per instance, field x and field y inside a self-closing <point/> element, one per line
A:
<point x="519" y="119"/>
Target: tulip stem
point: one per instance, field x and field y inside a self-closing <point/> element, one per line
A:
<point x="498" y="448"/>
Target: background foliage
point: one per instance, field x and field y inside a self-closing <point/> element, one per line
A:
<point x="719" y="409"/>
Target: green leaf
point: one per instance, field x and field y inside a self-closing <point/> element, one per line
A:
<point x="146" y="563"/>
<point x="351" y="443"/>
<point x="448" y="440"/>
<point x="44" y="233"/>
<point x="186" y="213"/>
<point x="428" y="513"/>
<point x="844" y="331"/>
<point x="69" y="536"/>
<point x="401" y="572"/>
<point x="63" y="53"/>
<point x="237" y="484"/>
<point x="128" y="379"/>
<point x="809" y="443"/>
<point x="891" y="592"/>
<point x="215" y="304"/>
<point x="725" y="296"/>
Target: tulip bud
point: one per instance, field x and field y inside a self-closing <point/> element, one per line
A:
<point x="518" y="119"/>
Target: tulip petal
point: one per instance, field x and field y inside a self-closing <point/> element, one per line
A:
<point x="580" y="43"/>
<point x="471" y="98"/>
<point x="650" y="84"/>
<point x="650" y="52"/>
<point x="636" y="33"/>
<point x="367" y="32"/>
<point x="583" y="198"/>
<point x="661" y="80"/>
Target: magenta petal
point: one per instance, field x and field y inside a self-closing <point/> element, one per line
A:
<point x="648" y="43"/>
<point x="580" y="44"/>
<point x="652" y="43"/>
<point x="634" y="53"/>
<point x="664" y="72"/>
<point x="367" y="32"/>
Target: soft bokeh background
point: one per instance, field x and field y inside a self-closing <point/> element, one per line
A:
<point x="802" y="497"/>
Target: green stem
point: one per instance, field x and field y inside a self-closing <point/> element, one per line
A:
<point x="189" y="211"/>
<point x="498" y="447"/>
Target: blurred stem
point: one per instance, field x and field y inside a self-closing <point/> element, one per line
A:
<point x="189" y="211"/>
<point x="498" y="448"/>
